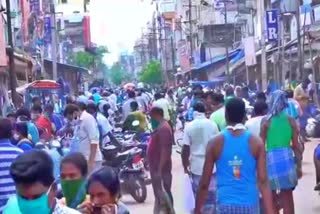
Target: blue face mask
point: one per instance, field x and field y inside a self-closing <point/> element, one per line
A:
<point x="154" y="123"/>
<point x="41" y="204"/>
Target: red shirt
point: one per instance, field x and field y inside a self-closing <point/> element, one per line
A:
<point x="44" y="124"/>
<point x="161" y="137"/>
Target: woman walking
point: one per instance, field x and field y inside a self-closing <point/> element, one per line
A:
<point x="280" y="134"/>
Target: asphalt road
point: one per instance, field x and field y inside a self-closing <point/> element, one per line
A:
<point x="306" y="200"/>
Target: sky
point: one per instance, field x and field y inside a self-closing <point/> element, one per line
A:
<point x="118" y="24"/>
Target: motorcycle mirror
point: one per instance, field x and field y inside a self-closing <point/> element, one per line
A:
<point x="135" y="123"/>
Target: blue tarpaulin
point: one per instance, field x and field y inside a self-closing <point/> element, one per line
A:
<point x="208" y="83"/>
<point x="234" y="56"/>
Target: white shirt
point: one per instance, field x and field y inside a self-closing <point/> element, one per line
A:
<point x="87" y="133"/>
<point x="197" y="135"/>
<point x="112" y="99"/>
<point x="254" y="124"/>
<point x="105" y="127"/>
<point x="142" y="103"/>
<point x="165" y="106"/>
<point x="186" y="102"/>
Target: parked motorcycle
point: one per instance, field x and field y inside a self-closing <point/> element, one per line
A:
<point x="130" y="167"/>
<point x="313" y="127"/>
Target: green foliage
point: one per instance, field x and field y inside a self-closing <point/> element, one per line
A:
<point x="90" y="59"/>
<point x="118" y="75"/>
<point x="152" y="73"/>
<point x="83" y="59"/>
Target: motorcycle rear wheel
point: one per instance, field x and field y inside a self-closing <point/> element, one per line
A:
<point x="139" y="191"/>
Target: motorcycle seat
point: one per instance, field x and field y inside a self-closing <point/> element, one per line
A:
<point x="133" y="151"/>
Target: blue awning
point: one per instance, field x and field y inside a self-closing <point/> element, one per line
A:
<point x="208" y="83"/>
<point x="234" y="56"/>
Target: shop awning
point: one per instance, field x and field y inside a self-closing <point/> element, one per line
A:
<point x="233" y="56"/>
<point x="64" y="67"/>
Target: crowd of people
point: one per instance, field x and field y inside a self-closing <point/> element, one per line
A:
<point x="238" y="162"/>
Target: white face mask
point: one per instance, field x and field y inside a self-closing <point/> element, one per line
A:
<point x="34" y="116"/>
<point x="16" y="136"/>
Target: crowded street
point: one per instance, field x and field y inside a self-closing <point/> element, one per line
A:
<point x="159" y="106"/>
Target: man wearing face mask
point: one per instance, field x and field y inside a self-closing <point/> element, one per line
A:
<point x="42" y="122"/>
<point x="32" y="173"/>
<point x="70" y="114"/>
<point x="21" y="136"/>
<point x="87" y="133"/>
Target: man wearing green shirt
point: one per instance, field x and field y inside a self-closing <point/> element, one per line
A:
<point x="218" y="116"/>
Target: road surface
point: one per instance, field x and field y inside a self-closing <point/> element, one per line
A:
<point x="306" y="200"/>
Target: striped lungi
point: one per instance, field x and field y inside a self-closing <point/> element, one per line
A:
<point x="233" y="209"/>
<point x="281" y="169"/>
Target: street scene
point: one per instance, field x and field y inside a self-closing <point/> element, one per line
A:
<point x="159" y="106"/>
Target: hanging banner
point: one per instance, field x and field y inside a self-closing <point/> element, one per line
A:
<point x="87" y="32"/>
<point x="3" y="55"/>
<point x="35" y="6"/>
<point x="305" y="15"/>
<point x="249" y="51"/>
<point x="25" y="11"/>
<point x="272" y="25"/>
<point x="47" y="29"/>
<point x="316" y="12"/>
<point x="184" y="56"/>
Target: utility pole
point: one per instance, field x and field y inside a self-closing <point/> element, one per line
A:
<point x="173" y="54"/>
<point x="12" y="72"/>
<point x="191" y="31"/>
<point x="300" y="54"/>
<point x="263" y="48"/>
<point x="227" y="48"/>
<point x="54" y="41"/>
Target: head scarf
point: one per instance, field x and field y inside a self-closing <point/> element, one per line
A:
<point x="278" y="103"/>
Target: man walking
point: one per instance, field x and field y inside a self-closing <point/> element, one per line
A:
<point x="159" y="156"/>
<point x="240" y="159"/>
<point x="85" y="135"/>
<point x="197" y="135"/>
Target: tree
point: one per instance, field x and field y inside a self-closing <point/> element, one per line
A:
<point x="91" y="58"/>
<point x="117" y="74"/>
<point x="152" y="73"/>
<point x="83" y="59"/>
